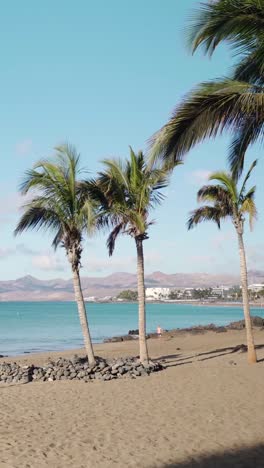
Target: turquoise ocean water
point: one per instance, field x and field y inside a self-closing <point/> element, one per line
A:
<point x="48" y="326"/>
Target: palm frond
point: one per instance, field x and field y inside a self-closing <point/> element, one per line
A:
<point x="111" y="240"/>
<point x="249" y="207"/>
<point x="36" y="217"/>
<point x="58" y="239"/>
<point x="206" y="112"/>
<point x="226" y="200"/>
<point x="251" y="67"/>
<point x="125" y="191"/>
<point x="213" y="193"/>
<point x="60" y="201"/>
<point x="246" y="135"/>
<point x="115" y="171"/>
<point x="204" y="213"/>
<point x="243" y="188"/>
<point x="237" y="21"/>
<point x="91" y="189"/>
<point x="89" y="217"/>
<point x="227" y="182"/>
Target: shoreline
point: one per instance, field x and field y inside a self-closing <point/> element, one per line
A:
<point x="165" y="419"/>
<point x="258" y="305"/>
<point x="195" y="319"/>
<point x="197" y="330"/>
<point x="183" y="339"/>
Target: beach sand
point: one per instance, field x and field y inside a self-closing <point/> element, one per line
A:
<point x="204" y="410"/>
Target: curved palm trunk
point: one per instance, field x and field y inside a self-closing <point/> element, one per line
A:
<point x="143" y="349"/>
<point x="252" y="358"/>
<point x="82" y="316"/>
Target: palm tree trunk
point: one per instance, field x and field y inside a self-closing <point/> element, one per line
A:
<point x="252" y="358"/>
<point x="143" y="350"/>
<point x="82" y="316"/>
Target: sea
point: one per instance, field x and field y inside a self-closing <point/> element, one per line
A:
<point x="32" y="327"/>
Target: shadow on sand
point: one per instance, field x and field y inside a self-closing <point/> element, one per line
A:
<point x="173" y="360"/>
<point x="252" y="457"/>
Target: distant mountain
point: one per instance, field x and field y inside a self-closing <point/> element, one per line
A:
<point x="29" y="288"/>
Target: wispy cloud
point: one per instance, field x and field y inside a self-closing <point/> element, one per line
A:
<point x="98" y="265"/>
<point x="10" y="205"/>
<point x="24" y="250"/>
<point x="24" y="147"/>
<point x="42" y="260"/>
<point x="126" y="263"/>
<point x="6" y="252"/>
<point x="48" y="262"/>
<point x="255" y="255"/>
<point x="202" y="259"/>
<point x="21" y="249"/>
<point x="220" y="240"/>
<point x="198" y="177"/>
<point x="153" y="258"/>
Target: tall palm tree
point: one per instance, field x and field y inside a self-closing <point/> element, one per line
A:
<point x="228" y="201"/>
<point x="127" y="191"/>
<point x="59" y="205"/>
<point x="235" y="103"/>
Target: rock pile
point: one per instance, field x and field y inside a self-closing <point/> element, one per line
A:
<point x="196" y="330"/>
<point x="77" y="369"/>
<point x="14" y="373"/>
<point x="255" y="320"/>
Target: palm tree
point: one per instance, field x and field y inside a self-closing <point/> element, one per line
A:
<point x="127" y="191"/>
<point x="227" y="201"/>
<point x="60" y="206"/>
<point x="235" y="103"/>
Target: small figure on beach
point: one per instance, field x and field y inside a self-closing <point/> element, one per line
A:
<point x="159" y="330"/>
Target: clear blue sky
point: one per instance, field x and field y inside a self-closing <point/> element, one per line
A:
<point x="104" y="75"/>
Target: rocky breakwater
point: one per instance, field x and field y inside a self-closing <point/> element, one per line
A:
<point x="257" y="322"/>
<point x="77" y="369"/>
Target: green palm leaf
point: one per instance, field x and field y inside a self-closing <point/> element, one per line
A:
<point x="205" y="213"/>
<point x="126" y="192"/>
<point x="206" y="112"/>
<point x="60" y="203"/>
<point x="235" y="104"/>
<point x="243" y="188"/>
<point x="251" y="67"/>
<point x="228" y="183"/>
<point x="212" y="193"/>
<point x="227" y="201"/>
<point x="237" y="21"/>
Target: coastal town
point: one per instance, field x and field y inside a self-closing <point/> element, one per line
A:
<point x="190" y="294"/>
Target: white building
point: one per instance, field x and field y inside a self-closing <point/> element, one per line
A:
<point x="153" y="294"/>
<point x="220" y="290"/>
<point x="187" y="292"/>
<point x="90" y="299"/>
<point x="256" y="287"/>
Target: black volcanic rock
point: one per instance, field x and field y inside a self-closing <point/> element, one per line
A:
<point x="239" y="325"/>
<point x="78" y="368"/>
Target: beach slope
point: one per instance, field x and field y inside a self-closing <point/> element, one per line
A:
<point x="206" y="409"/>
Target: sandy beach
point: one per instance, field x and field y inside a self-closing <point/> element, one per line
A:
<point x="205" y="410"/>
